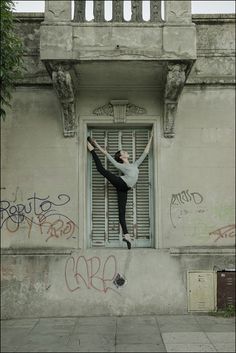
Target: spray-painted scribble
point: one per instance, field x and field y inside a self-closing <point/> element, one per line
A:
<point x="181" y="200"/>
<point x="224" y="232"/>
<point x="91" y="273"/>
<point x="119" y="280"/>
<point x="39" y="214"/>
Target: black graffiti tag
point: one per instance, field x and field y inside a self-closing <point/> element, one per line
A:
<point x="34" y="206"/>
<point x="182" y="198"/>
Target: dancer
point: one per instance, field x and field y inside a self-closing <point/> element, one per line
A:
<point x="122" y="183"/>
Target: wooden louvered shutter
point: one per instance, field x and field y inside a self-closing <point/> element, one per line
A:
<point x="105" y="228"/>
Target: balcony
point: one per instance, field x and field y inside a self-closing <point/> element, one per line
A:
<point x="158" y="49"/>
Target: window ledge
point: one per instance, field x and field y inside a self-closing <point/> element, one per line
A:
<point x="202" y="250"/>
<point x="37" y="251"/>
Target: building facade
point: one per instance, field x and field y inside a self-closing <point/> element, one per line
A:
<point x="62" y="249"/>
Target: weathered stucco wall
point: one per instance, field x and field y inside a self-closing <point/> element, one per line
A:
<point x="46" y="268"/>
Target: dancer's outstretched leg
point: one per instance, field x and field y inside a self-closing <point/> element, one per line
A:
<point x="122" y="201"/>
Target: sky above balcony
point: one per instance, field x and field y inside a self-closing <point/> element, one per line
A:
<point x="218" y="6"/>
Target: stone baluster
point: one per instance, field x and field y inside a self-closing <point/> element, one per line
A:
<point x="57" y="11"/>
<point x="117" y="11"/>
<point x="98" y="11"/>
<point x="178" y="11"/>
<point x="155" y="10"/>
<point x="136" y="11"/>
<point x="79" y="11"/>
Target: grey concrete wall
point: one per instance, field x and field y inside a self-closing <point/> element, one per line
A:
<point x="46" y="269"/>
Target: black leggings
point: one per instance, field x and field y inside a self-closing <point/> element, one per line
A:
<point x="121" y="188"/>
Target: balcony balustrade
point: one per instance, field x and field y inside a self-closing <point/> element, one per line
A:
<point x="117" y="11"/>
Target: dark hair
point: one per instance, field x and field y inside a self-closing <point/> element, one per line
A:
<point x="117" y="157"/>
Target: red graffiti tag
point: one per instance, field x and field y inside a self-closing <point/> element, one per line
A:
<point x="90" y="273"/>
<point x="51" y="226"/>
<point x="224" y="232"/>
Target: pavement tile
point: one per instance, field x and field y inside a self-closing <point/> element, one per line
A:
<point x="176" y="318"/>
<point x="86" y="339"/>
<point x="136" y="321"/>
<point x="140" y="348"/>
<point x="138" y="330"/>
<point x="13" y="336"/>
<point x="225" y="347"/>
<point x="103" y="329"/>
<point x="25" y="323"/>
<point x="96" y="348"/>
<point x="8" y="349"/>
<point x="45" y="348"/>
<point x="182" y="337"/>
<point x="180" y="333"/>
<point x="218" y="328"/>
<point x="178" y="323"/>
<point x="138" y="338"/>
<point x="58" y="321"/>
<point x="39" y="340"/>
<point x="221" y="337"/>
<point x="7" y="323"/>
<point x="207" y="319"/>
<point x="180" y="347"/>
<point x="55" y="330"/>
<point x="97" y="321"/>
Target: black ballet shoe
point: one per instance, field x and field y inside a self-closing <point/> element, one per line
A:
<point x="128" y="243"/>
<point x="91" y="141"/>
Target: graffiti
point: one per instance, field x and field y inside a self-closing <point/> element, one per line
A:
<point x="224" y="232"/>
<point x="50" y="227"/>
<point x="183" y="199"/>
<point x="90" y="273"/>
<point x="35" y="205"/>
<point x="40" y="213"/>
<point x="119" y="281"/>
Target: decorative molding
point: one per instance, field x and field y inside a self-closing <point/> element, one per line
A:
<point x="106" y="109"/>
<point x="62" y="83"/>
<point x="79" y="11"/>
<point x="119" y="109"/>
<point x="99" y="11"/>
<point x="155" y="10"/>
<point x="132" y="109"/>
<point x="175" y="80"/>
<point x="136" y="11"/>
<point x="169" y="119"/>
<point x="117" y="10"/>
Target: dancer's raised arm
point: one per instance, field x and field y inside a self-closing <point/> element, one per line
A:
<point x="99" y="147"/>
<point x="145" y="152"/>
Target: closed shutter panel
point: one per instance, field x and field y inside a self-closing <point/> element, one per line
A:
<point x="142" y="188"/>
<point x="106" y="230"/>
<point x="98" y="233"/>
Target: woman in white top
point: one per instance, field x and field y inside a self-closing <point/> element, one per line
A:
<point x="121" y="183"/>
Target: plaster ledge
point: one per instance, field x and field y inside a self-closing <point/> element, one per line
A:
<point x="30" y="251"/>
<point x="202" y="250"/>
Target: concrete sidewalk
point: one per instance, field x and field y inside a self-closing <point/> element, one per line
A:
<point x="162" y="333"/>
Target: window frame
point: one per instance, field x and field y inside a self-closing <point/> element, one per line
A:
<point x="85" y="122"/>
<point x="138" y="243"/>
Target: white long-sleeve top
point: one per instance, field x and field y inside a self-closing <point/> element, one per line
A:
<point x="130" y="170"/>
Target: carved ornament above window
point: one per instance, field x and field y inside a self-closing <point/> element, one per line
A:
<point x="119" y="109"/>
